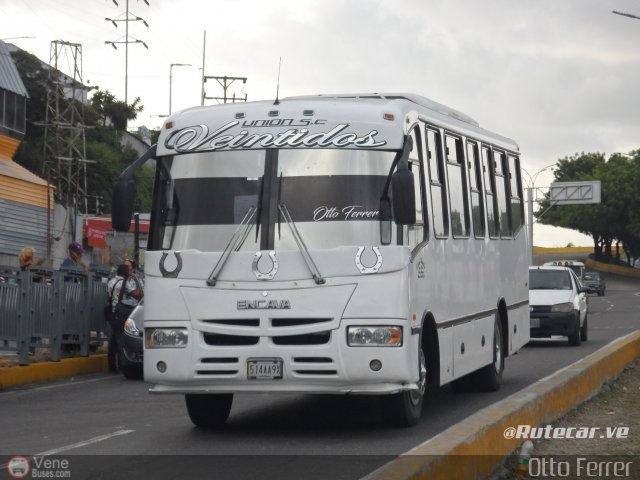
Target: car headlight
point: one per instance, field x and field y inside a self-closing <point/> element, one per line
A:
<point x="562" y="307"/>
<point x="131" y="329"/>
<point x="166" y="337"/>
<point x="365" y="336"/>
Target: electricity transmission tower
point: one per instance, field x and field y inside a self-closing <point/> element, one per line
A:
<point x="225" y="82"/>
<point x="126" y="17"/>
<point x="65" y="162"/>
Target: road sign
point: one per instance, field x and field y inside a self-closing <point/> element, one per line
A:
<point x="575" y="193"/>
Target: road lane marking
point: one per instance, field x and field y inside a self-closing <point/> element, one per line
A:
<point x="50" y="387"/>
<point x="55" y="451"/>
<point x="100" y="438"/>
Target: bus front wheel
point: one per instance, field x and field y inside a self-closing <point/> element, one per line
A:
<point x="209" y="410"/>
<point x="405" y="408"/>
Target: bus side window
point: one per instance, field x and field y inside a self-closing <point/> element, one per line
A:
<point x="416" y="233"/>
<point x="437" y="184"/>
<point x="489" y="187"/>
<point x="517" y="206"/>
<point x="456" y="175"/>
<point x="502" y="184"/>
<point x="475" y="183"/>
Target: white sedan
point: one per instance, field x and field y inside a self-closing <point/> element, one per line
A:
<point x="557" y="304"/>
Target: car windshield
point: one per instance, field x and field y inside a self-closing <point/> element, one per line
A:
<point x="549" y="280"/>
<point x="592" y="276"/>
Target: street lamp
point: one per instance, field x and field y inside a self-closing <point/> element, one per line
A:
<point x="531" y="186"/>
<point x="14" y="38"/>
<point x="171" y="78"/>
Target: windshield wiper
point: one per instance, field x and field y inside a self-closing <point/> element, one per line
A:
<point x="259" y="207"/>
<point x="315" y="273"/>
<point x="235" y="242"/>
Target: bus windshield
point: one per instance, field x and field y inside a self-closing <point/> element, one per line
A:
<point x="332" y="196"/>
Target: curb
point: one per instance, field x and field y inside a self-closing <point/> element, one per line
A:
<point x="480" y="437"/>
<point x="45" y="371"/>
<point x="617" y="269"/>
<point x="548" y="250"/>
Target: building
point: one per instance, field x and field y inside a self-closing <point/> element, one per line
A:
<point x="26" y="200"/>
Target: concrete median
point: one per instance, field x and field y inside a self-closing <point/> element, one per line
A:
<point x="473" y="448"/>
<point x="14" y="376"/>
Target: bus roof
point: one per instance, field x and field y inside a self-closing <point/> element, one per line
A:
<point x="564" y="263"/>
<point x="346" y="121"/>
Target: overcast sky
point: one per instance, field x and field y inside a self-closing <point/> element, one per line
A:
<point x="557" y="76"/>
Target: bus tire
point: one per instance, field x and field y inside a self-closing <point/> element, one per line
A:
<point x="404" y="409"/>
<point x="209" y="410"/>
<point x="489" y="377"/>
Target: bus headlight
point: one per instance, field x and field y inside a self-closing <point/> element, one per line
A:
<point x="365" y="336"/>
<point x="166" y="337"/>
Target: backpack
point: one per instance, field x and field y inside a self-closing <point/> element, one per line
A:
<point x="108" y="308"/>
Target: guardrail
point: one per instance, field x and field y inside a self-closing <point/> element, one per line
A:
<point x="58" y="310"/>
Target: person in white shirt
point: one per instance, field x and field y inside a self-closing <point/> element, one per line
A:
<point x="122" y="303"/>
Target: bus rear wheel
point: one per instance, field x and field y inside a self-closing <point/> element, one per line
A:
<point x="489" y="377"/>
<point x="209" y="410"/>
<point x="405" y="408"/>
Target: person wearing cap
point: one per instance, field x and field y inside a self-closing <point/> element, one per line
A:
<point x="26" y="258"/>
<point x="75" y="258"/>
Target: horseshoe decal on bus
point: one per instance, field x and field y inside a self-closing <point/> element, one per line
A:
<point x="173" y="273"/>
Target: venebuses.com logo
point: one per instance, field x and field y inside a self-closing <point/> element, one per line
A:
<point x="18" y="467"/>
<point x="39" y="466"/>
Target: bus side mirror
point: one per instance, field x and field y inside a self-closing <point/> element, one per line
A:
<point x="385" y="221"/>
<point x="124" y="194"/>
<point x="404" y="200"/>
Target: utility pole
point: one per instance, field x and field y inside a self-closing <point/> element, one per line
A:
<point x="128" y="17"/>
<point x="204" y="47"/>
<point x="225" y="82"/>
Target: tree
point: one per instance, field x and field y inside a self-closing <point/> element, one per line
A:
<point x="110" y="111"/>
<point x="614" y="219"/>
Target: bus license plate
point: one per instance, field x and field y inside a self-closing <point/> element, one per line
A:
<point x="535" y="323"/>
<point x="264" y="368"/>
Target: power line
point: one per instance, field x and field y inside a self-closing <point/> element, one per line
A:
<point x="626" y="15"/>
<point x="128" y="17"/>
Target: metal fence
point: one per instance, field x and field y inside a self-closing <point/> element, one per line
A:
<point x="61" y="311"/>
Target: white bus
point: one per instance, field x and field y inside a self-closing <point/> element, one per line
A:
<point x="353" y="244"/>
<point x="577" y="267"/>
